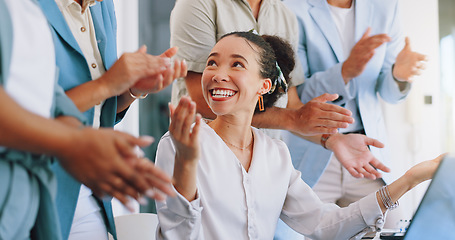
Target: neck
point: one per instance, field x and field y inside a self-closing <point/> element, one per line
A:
<point x="255" y="6"/>
<point x="340" y="3"/>
<point x="79" y="1"/>
<point x="234" y="131"/>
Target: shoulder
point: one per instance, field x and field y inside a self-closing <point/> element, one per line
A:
<point x="269" y="144"/>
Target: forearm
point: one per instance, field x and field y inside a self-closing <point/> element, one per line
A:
<point x="185" y="178"/>
<point x="397" y="189"/>
<point x="89" y="94"/>
<point x="124" y="101"/>
<point x="23" y="130"/>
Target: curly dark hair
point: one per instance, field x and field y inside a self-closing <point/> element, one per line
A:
<point x="272" y="50"/>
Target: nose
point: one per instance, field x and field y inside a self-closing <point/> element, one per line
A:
<point x="220" y="76"/>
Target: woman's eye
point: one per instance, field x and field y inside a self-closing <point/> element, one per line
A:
<point x="211" y="63"/>
<point x="238" y="64"/>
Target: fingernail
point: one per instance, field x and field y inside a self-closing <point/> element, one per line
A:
<point x="143" y="201"/>
<point x="139" y="152"/>
<point x="167" y="61"/>
<point x="130" y="206"/>
<point x="184" y="61"/>
<point x="147" y="138"/>
<point x="150" y="193"/>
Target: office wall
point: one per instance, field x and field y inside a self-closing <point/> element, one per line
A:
<point x="414" y="126"/>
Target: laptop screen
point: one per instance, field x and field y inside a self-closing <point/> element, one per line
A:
<point x="435" y="216"/>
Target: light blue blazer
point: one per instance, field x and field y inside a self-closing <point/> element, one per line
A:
<point x="74" y="71"/>
<point x="321" y="54"/>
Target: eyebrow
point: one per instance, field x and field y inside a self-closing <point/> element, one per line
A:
<point x="215" y="54"/>
<point x="239" y="56"/>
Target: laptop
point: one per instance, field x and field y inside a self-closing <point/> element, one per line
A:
<point x="435" y="216"/>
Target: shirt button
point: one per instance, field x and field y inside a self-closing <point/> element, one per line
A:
<point x="93" y="65"/>
<point x="83" y="29"/>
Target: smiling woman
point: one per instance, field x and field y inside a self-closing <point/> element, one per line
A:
<point x="225" y="171"/>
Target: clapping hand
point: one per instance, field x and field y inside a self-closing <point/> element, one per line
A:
<point x="361" y="54"/>
<point x="408" y="63"/>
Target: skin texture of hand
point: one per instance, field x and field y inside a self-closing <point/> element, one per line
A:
<point x="319" y="117"/>
<point x="353" y="153"/>
<point x="105" y="161"/>
<point x="130" y="68"/>
<point x="361" y="54"/>
<point x="187" y="146"/>
<point x="158" y="82"/>
<point x="408" y="63"/>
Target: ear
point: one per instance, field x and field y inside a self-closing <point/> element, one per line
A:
<point x="266" y="86"/>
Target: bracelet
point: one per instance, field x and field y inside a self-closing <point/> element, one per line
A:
<point x="384" y="194"/>
<point x="324" y="139"/>
<point x="138" y="97"/>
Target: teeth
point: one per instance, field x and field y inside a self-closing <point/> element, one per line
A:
<point x="222" y="93"/>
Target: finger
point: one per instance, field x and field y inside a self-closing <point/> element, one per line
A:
<point x="130" y="177"/>
<point x="195" y="131"/>
<point x="370" y="172"/>
<point x="189" y="118"/>
<point x="156" y="177"/>
<point x="142" y="49"/>
<point x="335" y="109"/>
<point x="179" y="116"/>
<point x="379" y="165"/>
<point x="374" y="142"/>
<point x="421" y="65"/>
<point x="354" y="172"/>
<point x="366" y="34"/>
<point x="377" y="40"/>
<point x="421" y="57"/>
<point x="121" y="187"/>
<point x="416" y="72"/>
<point x="147" y="166"/>
<point x="407" y="43"/>
<point x="326" y="97"/>
<point x="184" y="69"/>
<point x="177" y="69"/>
<point x="170" y="52"/>
<point x="155" y="194"/>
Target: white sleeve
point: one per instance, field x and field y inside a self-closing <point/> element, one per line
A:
<point x="177" y="217"/>
<point x="304" y="212"/>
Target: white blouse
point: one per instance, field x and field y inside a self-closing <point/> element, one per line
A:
<point x="234" y="204"/>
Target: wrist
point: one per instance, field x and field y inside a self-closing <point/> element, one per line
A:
<point x="104" y="89"/>
<point x="330" y="140"/>
<point x="344" y="75"/>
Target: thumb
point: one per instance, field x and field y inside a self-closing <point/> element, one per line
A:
<point x="170" y="52"/>
<point x="407" y="43"/>
<point x="142" y="49"/>
<point x="326" y="97"/>
<point x="367" y="33"/>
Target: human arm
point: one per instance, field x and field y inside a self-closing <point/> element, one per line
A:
<point x="96" y="158"/>
<point x="413" y="177"/>
<point x="124" y="73"/>
<point x="178" y="154"/>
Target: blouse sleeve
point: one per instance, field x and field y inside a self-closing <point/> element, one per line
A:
<point x="177" y="217"/>
<point x="304" y="212"/>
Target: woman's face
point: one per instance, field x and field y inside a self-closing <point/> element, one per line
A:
<point x="231" y="81"/>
